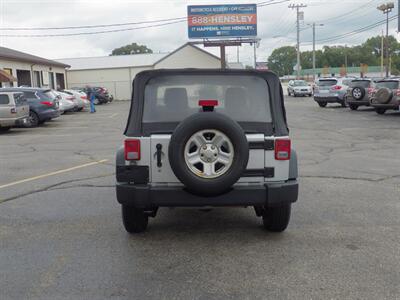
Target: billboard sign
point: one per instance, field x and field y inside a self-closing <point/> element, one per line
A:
<point x="222" y="21"/>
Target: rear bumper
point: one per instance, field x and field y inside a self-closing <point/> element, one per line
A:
<point x="9" y="122"/>
<point x="394" y="104"/>
<point x="268" y="195"/>
<point x="48" y="114"/>
<point x="362" y="102"/>
<point x="328" y="99"/>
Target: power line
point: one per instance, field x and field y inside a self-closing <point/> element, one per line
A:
<point x="169" y="21"/>
<point x="360" y="30"/>
<point x="90" y="33"/>
<point x="90" y="26"/>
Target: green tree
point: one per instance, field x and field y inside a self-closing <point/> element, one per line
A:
<point x="282" y="60"/>
<point x="131" y="49"/>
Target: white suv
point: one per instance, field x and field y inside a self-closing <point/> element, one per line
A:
<point x="201" y="138"/>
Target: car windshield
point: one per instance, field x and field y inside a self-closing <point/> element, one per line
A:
<point x="300" y="83"/>
<point x="327" y="82"/>
<point x="360" y="83"/>
<point x="388" y="84"/>
<point x="173" y="98"/>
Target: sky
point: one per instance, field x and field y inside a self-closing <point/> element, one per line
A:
<point x="276" y="25"/>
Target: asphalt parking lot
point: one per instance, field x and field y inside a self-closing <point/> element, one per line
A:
<point x="61" y="235"/>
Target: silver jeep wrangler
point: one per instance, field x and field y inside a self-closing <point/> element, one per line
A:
<point x="206" y="138"/>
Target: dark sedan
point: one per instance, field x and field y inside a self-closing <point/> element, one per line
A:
<point x="42" y="104"/>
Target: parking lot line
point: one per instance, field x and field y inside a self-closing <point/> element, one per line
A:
<point x="113" y="115"/>
<point x="53" y="173"/>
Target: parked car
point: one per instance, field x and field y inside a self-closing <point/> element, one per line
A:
<point x="67" y="102"/>
<point x="181" y="150"/>
<point x="14" y="110"/>
<point x="359" y="93"/>
<point x="299" y="88"/>
<point x="43" y="106"/>
<point x="102" y="95"/>
<point x="331" y="90"/>
<point x="386" y="96"/>
<point x="80" y="98"/>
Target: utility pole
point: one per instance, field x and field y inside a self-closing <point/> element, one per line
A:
<point x="382" y="54"/>
<point x="297" y="7"/>
<point x="313" y="52"/>
<point x="386" y="9"/>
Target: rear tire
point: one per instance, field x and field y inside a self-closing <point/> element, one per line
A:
<point x="33" y="119"/>
<point x="353" y="106"/>
<point x="4" y="129"/>
<point x="276" y="219"/>
<point x="134" y="219"/>
<point x="380" y="111"/>
<point x="322" y="104"/>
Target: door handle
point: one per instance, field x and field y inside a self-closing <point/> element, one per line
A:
<point x="158" y="154"/>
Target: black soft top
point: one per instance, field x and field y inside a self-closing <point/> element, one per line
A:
<point x="135" y="127"/>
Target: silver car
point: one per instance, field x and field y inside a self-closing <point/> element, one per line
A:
<point x="299" y="88"/>
<point x="331" y="90"/>
<point x="14" y="110"/>
<point x="67" y="102"/>
<point x="80" y="98"/>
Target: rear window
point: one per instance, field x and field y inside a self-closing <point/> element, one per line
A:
<point x="47" y="95"/>
<point x="360" y="83"/>
<point x="346" y="81"/>
<point x="19" y="98"/>
<point x="4" y="99"/>
<point x="328" y="82"/>
<point x="30" y="95"/>
<point x="173" y="98"/>
<point x="388" y="84"/>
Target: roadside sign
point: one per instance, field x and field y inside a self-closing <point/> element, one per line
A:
<point x="222" y="21"/>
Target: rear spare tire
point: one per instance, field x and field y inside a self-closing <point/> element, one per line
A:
<point x="358" y="93"/>
<point x="384" y="95"/>
<point x="208" y="153"/>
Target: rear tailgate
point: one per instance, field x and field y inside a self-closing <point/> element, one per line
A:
<point x="21" y="106"/>
<point x="324" y="85"/>
<point x="262" y="166"/>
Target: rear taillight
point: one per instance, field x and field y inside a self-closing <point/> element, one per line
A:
<point x="336" y="87"/>
<point x="370" y="90"/>
<point x="132" y="149"/>
<point x="13" y="110"/>
<point x="397" y="92"/>
<point x="282" y="149"/>
<point x="47" y="103"/>
<point x="83" y="97"/>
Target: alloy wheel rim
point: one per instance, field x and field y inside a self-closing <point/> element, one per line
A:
<point x="209" y="153"/>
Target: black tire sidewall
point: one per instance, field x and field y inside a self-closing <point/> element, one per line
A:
<point x="34" y="116"/>
<point x="204" y="121"/>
